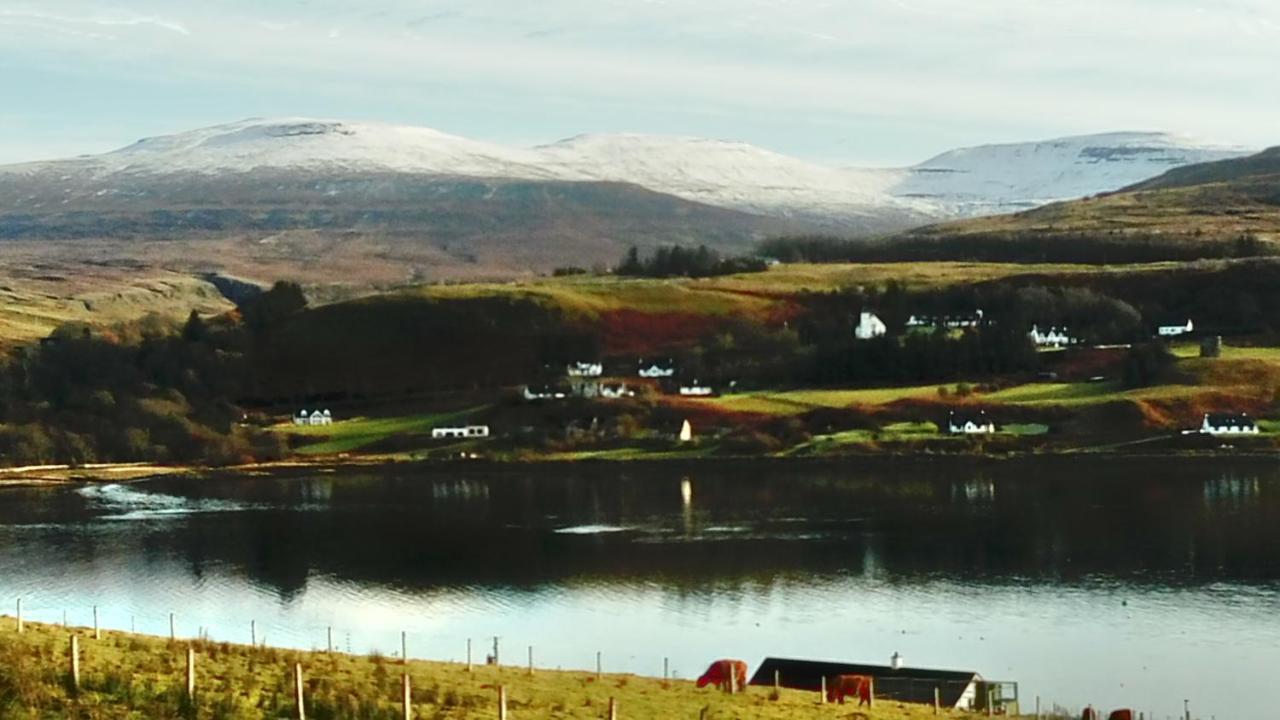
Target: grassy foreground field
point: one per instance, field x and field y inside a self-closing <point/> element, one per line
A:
<point x="134" y="676"/>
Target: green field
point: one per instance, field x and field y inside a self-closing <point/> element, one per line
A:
<point x="350" y="435"/>
<point x="135" y="677"/>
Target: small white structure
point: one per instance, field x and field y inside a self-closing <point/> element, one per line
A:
<point x="696" y="390"/>
<point x="316" y="417"/>
<point x="1052" y="337"/>
<point x="869" y="326"/>
<point x="948" y="321"/>
<point x="1175" y="330"/>
<point x="543" y="392"/>
<point x="616" y="390"/>
<point x="467" y="431"/>
<point x="895" y="661"/>
<point x="978" y="424"/>
<point x="585" y="370"/>
<point x="686" y="432"/>
<point x="657" y="370"/>
<point x="1228" y="424"/>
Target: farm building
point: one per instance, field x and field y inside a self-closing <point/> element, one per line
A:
<point x="695" y="389"/>
<point x="1174" y="330"/>
<point x="616" y="390"/>
<point x="1228" y="424"/>
<point x="970" y="423"/>
<point x="959" y="689"/>
<point x="869" y="326"/>
<point x="466" y="431"/>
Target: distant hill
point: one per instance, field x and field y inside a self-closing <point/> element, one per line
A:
<point x="1185" y="212"/>
<point x="360" y="202"/>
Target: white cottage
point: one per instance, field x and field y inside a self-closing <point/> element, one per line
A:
<point x="543" y="392"/>
<point x="616" y="390"/>
<point x="461" y="432"/>
<point x="585" y="370"/>
<point x="1051" y="337"/>
<point x="657" y="369"/>
<point x="697" y="390"/>
<point x="1175" y="330"/>
<point x="315" y="417"/>
<point x="1228" y="424"/>
<point x="869" y="326"/>
<point x="970" y="424"/>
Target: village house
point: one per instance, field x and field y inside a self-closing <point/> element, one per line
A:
<point x="953" y="322"/>
<point x="696" y="390"/>
<point x="316" y="417"/>
<point x="970" y="423"/>
<point x="1052" y="337"/>
<point x="1228" y="424"/>
<point x="544" y="392"/>
<point x="1175" y="330"/>
<point x="664" y="369"/>
<point x="614" y="391"/>
<point x="459" y="432"/>
<point x="869" y="326"/>
<point x="585" y="369"/>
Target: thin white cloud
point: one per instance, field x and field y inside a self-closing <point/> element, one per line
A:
<point x="100" y="20"/>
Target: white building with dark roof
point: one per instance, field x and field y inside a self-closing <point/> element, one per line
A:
<point x="1228" y="424"/>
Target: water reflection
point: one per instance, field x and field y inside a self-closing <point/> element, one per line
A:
<point x="1011" y="570"/>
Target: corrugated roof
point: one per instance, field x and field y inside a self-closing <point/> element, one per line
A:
<point x="907" y="684"/>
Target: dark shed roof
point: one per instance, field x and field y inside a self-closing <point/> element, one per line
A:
<point x="907" y="684"/>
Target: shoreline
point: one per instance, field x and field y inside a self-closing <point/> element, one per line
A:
<point x="55" y="476"/>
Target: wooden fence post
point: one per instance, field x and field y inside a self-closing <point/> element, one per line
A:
<point x="75" y="662"/>
<point x="253" y="633"/>
<point x="990" y="701"/>
<point x="822" y="694"/>
<point x="598" y="665"/>
<point x="297" y="691"/>
<point x="502" y="703"/>
<point x="613" y="709"/>
<point x="468" y="654"/>
<point x="19" y="616"/>
<point x="495" y="651"/>
<point x="937" y="699"/>
<point x="530" y="660"/>
<point x="97" y="634"/>
<point x="871" y="700"/>
<point x="777" y="681"/>
<point x="173" y="635"/>
<point x="330" y="638"/>
<point x="1038" y="709"/>
<point x="404" y="648"/>
<point x="408" y="698"/>
<point x="191" y="673"/>
<point x="733" y="681"/>
<point x="666" y="669"/>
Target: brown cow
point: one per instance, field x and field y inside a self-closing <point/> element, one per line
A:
<point x="722" y="673"/>
<point x="1089" y="714"/>
<point x="842" y="686"/>
<point x="1124" y="714"/>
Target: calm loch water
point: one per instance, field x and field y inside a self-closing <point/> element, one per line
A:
<point x="1114" y="584"/>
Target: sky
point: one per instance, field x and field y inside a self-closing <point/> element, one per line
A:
<point x="841" y="82"/>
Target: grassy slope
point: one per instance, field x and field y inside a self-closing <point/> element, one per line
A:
<point x="130" y="676"/>
<point x="348" y="435"/>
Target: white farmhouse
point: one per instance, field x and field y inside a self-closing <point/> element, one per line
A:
<point x="657" y="369"/>
<point x="869" y="326"/>
<point x="543" y="392"/>
<point x="1175" y="330"/>
<point x="697" y="390"/>
<point x="316" y="417"/>
<point x="585" y="369"/>
<point x="1052" y="337"/>
<point x="461" y="432"/>
<point x="1228" y="424"/>
<point x="966" y="424"/>
<point x="616" y="390"/>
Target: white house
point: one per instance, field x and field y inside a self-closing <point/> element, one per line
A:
<point x="869" y="326"/>
<point x="543" y="392"/>
<point x="965" y="424"/>
<point x="466" y="431"/>
<point x="585" y="369"/>
<point x="1175" y="330"/>
<point x="316" y="417"/>
<point x="616" y="390"/>
<point x="696" y="390"/>
<point x="1052" y="337"/>
<point x="1228" y="424"/>
<point x="657" y="369"/>
<point x="948" y="321"/>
